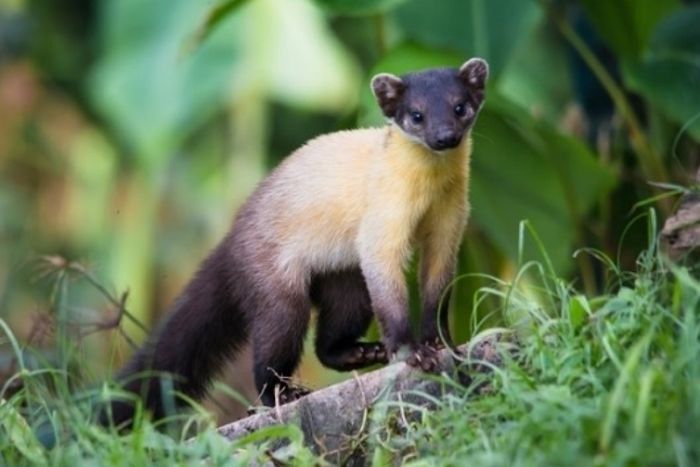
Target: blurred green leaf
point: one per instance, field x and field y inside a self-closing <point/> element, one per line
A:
<point x="357" y="7"/>
<point x="579" y="309"/>
<point x="525" y="169"/>
<point x="216" y="15"/>
<point x="20" y="434"/>
<point x="156" y="91"/>
<point x="471" y="27"/>
<point x="146" y="87"/>
<point x="669" y="71"/>
<point x="312" y="69"/>
<point x="537" y="76"/>
<point x="626" y="25"/>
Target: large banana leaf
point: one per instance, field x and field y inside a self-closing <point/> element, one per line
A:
<point x="489" y="29"/>
<point x="668" y="73"/>
<point x="168" y="65"/>
<point x="627" y="25"/>
<point x="357" y="7"/>
<point x="148" y="84"/>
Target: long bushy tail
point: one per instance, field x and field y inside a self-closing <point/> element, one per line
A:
<point x="204" y="327"/>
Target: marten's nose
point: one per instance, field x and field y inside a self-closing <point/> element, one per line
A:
<point x="447" y="140"/>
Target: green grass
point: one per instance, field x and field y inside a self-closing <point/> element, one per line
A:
<point x="607" y="380"/>
<point x="613" y="380"/>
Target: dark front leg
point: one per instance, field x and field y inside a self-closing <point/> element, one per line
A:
<point x="391" y="306"/>
<point x="398" y="337"/>
<point x="434" y="329"/>
<point x="389" y="297"/>
<point x="440" y="237"/>
<point x="385" y="245"/>
<point x="437" y="271"/>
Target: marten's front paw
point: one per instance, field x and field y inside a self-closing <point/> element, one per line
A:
<point x="426" y="358"/>
<point x="434" y="343"/>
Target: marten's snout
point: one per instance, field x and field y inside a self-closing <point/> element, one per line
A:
<point x="446" y="140"/>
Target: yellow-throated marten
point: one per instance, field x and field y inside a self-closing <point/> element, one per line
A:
<point x="332" y="228"/>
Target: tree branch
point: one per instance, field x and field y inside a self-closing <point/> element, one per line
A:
<point x="334" y="419"/>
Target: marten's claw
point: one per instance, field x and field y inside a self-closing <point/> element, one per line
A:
<point x="426" y="358"/>
<point x="434" y="343"/>
<point x="366" y="354"/>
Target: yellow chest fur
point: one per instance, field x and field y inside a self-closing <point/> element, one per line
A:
<point x="349" y="191"/>
<point x="417" y="181"/>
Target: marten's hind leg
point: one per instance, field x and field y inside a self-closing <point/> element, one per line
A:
<point x="345" y="313"/>
<point x="278" y="332"/>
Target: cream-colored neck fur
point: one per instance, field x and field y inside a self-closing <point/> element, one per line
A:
<point x="415" y="161"/>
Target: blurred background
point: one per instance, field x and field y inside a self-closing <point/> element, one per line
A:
<point x="131" y="131"/>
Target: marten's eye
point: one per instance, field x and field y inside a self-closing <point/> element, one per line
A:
<point x="460" y="110"/>
<point x="416" y="117"/>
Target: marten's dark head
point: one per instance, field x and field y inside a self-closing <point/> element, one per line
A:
<point x="435" y="107"/>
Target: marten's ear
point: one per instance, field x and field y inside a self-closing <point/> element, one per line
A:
<point x="388" y="90"/>
<point x="474" y="73"/>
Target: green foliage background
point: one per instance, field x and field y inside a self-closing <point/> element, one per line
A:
<point x="131" y="131"/>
